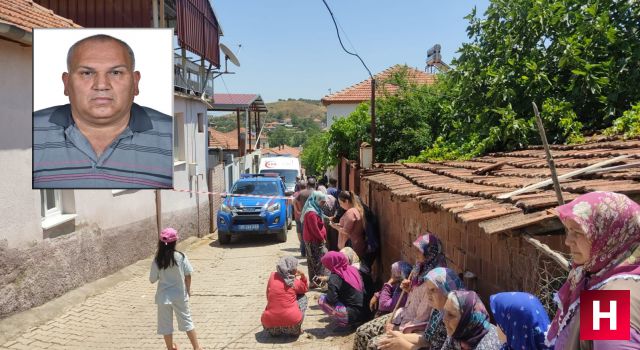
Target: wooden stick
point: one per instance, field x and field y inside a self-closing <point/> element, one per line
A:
<point x="393" y="313"/>
<point x="613" y="168"/>
<point x="562" y="177"/>
<point x="547" y="151"/>
<point x="557" y="257"/>
<point x="489" y="168"/>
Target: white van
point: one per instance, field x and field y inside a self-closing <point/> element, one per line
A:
<point x="289" y="167"/>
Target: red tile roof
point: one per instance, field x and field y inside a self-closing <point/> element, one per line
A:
<point x="361" y="91"/>
<point x="26" y="15"/>
<point x="224" y="140"/>
<point x="293" y="151"/>
<point x="453" y="186"/>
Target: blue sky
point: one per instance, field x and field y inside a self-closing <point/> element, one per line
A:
<point x="290" y="48"/>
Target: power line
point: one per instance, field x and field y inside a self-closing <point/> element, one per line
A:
<point x="340" y="39"/>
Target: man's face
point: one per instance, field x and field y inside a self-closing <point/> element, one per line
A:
<point x="101" y="82"/>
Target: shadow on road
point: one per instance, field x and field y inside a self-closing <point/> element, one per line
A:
<point x="248" y="240"/>
<point x="328" y="331"/>
<point x="264" y="337"/>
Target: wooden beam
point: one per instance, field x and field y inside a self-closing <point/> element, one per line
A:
<point x="561" y="177"/>
<point x="489" y="168"/>
<point x="515" y="221"/>
<point x="555" y="256"/>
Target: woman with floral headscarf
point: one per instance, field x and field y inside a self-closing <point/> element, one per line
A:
<point x="414" y="315"/>
<point x="467" y="323"/>
<point x="440" y="282"/>
<point x="386" y="299"/>
<point x="286" y="300"/>
<point x="521" y="319"/>
<point x="429" y="255"/>
<point x="603" y="235"/>
<point x="344" y="300"/>
<point x="314" y="235"/>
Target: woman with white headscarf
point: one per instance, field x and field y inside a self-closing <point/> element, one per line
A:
<point x="286" y="300"/>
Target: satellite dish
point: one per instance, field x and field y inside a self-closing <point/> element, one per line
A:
<point x="229" y="55"/>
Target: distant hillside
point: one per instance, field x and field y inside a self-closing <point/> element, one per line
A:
<point x="305" y="109"/>
<point x="300" y="111"/>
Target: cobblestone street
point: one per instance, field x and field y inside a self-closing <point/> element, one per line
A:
<point x="228" y="297"/>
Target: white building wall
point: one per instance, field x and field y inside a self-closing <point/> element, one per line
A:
<point x="195" y="147"/>
<point x="19" y="205"/>
<point x="339" y="110"/>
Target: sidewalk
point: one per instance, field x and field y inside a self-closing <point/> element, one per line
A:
<point x="228" y="297"/>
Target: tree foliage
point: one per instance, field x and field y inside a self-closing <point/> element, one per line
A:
<point x="279" y="136"/>
<point x="346" y="134"/>
<point x="314" y="156"/>
<point x="577" y="59"/>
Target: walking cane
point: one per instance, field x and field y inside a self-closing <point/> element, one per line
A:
<point x="393" y="313"/>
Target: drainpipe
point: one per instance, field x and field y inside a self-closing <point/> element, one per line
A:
<point x="14" y="33"/>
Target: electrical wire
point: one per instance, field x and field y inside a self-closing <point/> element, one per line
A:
<point x="340" y="39"/>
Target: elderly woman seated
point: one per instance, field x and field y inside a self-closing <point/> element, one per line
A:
<point x="521" y="319"/>
<point x="286" y="300"/>
<point x="467" y="323"/>
<point x="344" y="300"/>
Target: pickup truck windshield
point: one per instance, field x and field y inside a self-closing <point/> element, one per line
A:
<point x="260" y="188"/>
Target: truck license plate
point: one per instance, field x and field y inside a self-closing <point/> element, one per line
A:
<point x="248" y="227"/>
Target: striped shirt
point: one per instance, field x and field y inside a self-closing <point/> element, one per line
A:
<point x="140" y="157"/>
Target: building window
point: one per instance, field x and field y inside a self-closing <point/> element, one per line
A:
<point x="200" y="122"/>
<point x="50" y="203"/>
<point x="57" y="209"/>
<point x="178" y="138"/>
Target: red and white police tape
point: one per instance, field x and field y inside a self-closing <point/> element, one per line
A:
<point x="233" y="195"/>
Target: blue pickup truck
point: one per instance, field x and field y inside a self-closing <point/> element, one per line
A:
<point x="248" y="208"/>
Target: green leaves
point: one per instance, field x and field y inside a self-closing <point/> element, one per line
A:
<point x="314" y="156"/>
<point x="578" y="59"/>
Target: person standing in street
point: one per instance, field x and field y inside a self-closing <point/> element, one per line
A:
<point x="299" y="199"/>
<point x="172" y="270"/>
<point x="314" y="235"/>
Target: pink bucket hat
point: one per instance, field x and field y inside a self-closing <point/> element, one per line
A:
<point x="169" y="235"/>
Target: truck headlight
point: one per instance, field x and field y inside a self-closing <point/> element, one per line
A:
<point x="225" y="208"/>
<point x="273" y="208"/>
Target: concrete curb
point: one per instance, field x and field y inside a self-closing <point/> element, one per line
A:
<point x="22" y="322"/>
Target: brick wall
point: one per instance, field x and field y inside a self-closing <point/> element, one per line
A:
<point x="216" y="186"/>
<point x="500" y="262"/>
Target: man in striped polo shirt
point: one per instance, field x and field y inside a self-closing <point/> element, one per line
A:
<point x="101" y="139"/>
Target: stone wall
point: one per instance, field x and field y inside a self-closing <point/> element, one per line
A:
<point x="500" y="262"/>
<point x="32" y="276"/>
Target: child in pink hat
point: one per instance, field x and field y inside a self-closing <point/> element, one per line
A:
<point x="172" y="270"/>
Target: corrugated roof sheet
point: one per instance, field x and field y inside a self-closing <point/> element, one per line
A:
<point x="453" y="186"/>
<point x="362" y="91"/>
<point x="26" y="15"/>
<point x="232" y="102"/>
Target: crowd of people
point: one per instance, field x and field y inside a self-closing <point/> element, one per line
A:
<point x="425" y="305"/>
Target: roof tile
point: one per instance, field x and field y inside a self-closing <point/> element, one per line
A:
<point x="27" y="15"/>
<point x="362" y="91"/>
<point x="452" y="185"/>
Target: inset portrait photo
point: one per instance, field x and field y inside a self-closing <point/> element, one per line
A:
<point x="103" y="106"/>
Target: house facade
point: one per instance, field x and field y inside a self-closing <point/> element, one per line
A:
<point x="54" y="241"/>
<point x="344" y="102"/>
